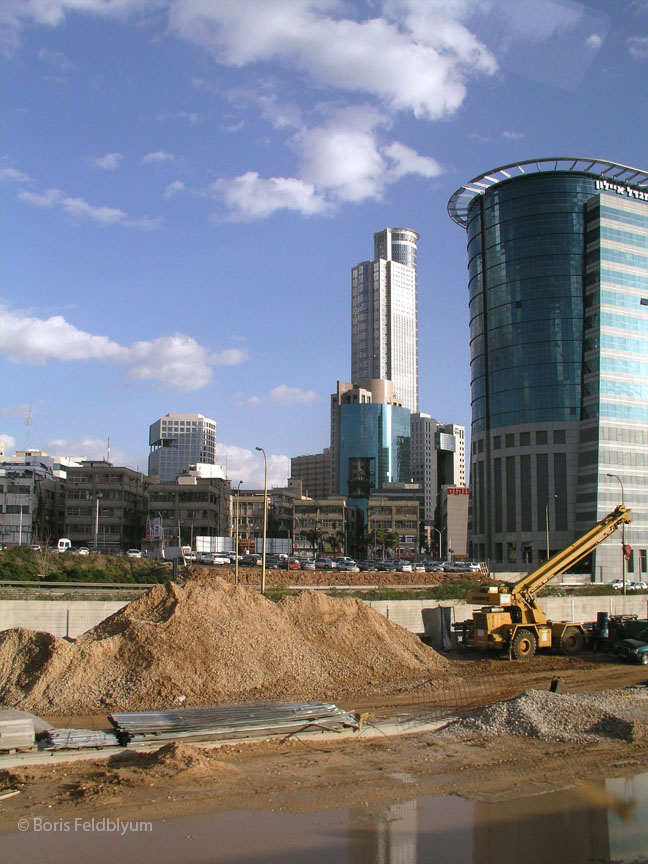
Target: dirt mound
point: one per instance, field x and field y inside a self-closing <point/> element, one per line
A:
<point x="579" y="717"/>
<point x="170" y="760"/>
<point x="209" y="643"/>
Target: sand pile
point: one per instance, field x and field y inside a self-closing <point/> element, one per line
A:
<point x="578" y="717"/>
<point x="209" y="643"/>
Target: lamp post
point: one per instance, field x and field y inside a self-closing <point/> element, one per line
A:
<point x="547" y="522"/>
<point x="623" y="558"/>
<point x="265" y="517"/>
<point x="236" y="534"/>
<point x="440" y="533"/>
<point x="96" y="524"/>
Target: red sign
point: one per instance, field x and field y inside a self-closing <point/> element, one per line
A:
<point x="458" y="490"/>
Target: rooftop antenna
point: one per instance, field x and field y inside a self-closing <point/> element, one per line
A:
<point x="108" y="450"/>
<point x="28" y="423"/>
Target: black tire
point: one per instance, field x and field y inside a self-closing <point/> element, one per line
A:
<point x="644" y="659"/>
<point x="524" y="645"/>
<point x="571" y="641"/>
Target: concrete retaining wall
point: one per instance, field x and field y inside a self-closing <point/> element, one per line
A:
<point x="63" y="618"/>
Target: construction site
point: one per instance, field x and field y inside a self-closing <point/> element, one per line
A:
<point x="202" y="695"/>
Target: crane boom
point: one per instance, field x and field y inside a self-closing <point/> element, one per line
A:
<point x="566" y="558"/>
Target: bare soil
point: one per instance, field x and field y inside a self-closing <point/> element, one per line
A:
<point x="307" y="773"/>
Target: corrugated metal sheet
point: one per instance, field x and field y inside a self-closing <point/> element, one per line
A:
<point x="252" y="720"/>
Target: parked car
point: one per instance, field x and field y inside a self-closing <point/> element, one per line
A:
<point x="635" y="649"/>
<point x="307" y="564"/>
<point x="221" y="558"/>
<point x="207" y="558"/>
<point x="433" y="566"/>
<point x="617" y="584"/>
<point x="133" y="553"/>
<point x="251" y="560"/>
<point x="348" y="567"/>
<point x="637" y="586"/>
<point x="403" y="567"/>
<point x="83" y="550"/>
<point x="325" y="564"/>
<point x="293" y="564"/>
<point x="344" y="559"/>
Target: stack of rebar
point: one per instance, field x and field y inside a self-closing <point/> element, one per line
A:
<point x="235" y="721"/>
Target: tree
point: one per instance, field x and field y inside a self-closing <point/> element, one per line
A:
<point x="314" y="537"/>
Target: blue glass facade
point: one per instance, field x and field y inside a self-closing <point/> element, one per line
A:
<point x="374" y="447"/>
<point x="525" y="248"/>
<point x="558" y="294"/>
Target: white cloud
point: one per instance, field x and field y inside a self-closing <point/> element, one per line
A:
<point x="252" y="197"/>
<point x="510" y="135"/>
<point x="174" y="188"/>
<point x="248" y="466"/>
<point x="285" y="396"/>
<point x="9" y="443"/>
<point x="594" y="41"/>
<point x="80" y="209"/>
<point x="108" y="162"/>
<point x="638" y="47"/>
<point x="408" y="161"/>
<point x="418" y="63"/>
<point x="14" y="175"/>
<point x="177" y="362"/>
<point x="157" y="158"/>
<point x="55" y="58"/>
<point x="91" y="447"/>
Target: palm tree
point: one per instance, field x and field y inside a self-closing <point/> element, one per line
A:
<point x="336" y="539"/>
<point x="314" y="537"/>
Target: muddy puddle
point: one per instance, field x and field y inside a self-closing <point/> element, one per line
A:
<point x="606" y="822"/>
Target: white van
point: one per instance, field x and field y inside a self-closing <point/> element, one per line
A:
<point x="64" y="544"/>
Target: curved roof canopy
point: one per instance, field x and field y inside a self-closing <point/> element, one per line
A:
<point x="460" y="202"/>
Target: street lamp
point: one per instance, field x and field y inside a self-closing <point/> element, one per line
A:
<point x="440" y="533"/>
<point x="547" y="522"/>
<point x="623" y="558"/>
<point x="265" y="517"/>
<point x="236" y="534"/>
<point x="96" y="525"/>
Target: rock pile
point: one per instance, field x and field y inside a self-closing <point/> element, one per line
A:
<point x="210" y="643"/>
<point x="578" y="717"/>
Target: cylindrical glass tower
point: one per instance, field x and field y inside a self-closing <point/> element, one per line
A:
<point x="554" y="250"/>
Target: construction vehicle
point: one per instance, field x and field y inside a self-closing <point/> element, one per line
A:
<point x="511" y="618"/>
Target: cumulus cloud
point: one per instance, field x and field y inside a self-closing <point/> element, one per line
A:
<point x="80" y="209"/>
<point x="173" y="188"/>
<point x="341" y="160"/>
<point x="14" y="175"/>
<point x="108" y="162"/>
<point x="285" y="396"/>
<point x="250" y="197"/>
<point x="9" y="443"/>
<point x="91" y="447"/>
<point x="413" y="63"/>
<point x="177" y="362"/>
<point x="248" y="466"/>
<point x="157" y="158"/>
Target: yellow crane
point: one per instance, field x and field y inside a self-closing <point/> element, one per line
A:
<point x="512" y="618"/>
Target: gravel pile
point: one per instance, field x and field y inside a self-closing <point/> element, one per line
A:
<point x="579" y="717"/>
<point x="210" y="643"/>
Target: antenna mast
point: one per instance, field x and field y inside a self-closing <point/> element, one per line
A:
<point x="28" y="422"/>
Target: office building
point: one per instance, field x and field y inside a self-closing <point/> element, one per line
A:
<point x="314" y="472"/>
<point x="558" y="297"/>
<point x="105" y="506"/>
<point x="29" y="499"/>
<point x="370" y="438"/>
<point x="438" y="458"/>
<point x="384" y="336"/>
<point x="177" y="441"/>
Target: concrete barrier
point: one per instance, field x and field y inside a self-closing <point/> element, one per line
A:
<point x="71" y="618"/>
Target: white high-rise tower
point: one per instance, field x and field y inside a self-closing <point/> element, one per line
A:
<point x="384" y="328"/>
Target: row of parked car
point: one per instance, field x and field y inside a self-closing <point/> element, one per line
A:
<point x="343" y="563"/>
<point x="630" y="586"/>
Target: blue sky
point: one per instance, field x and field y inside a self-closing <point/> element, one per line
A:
<point x="186" y="185"/>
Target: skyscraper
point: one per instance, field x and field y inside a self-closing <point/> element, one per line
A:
<point x="178" y="441"/>
<point x="558" y="288"/>
<point x="384" y="336"/>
